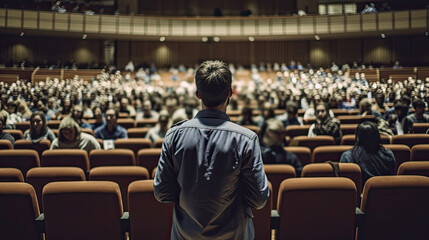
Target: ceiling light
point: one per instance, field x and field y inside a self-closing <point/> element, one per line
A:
<point x="162" y="39"/>
<point x="84" y="36"/>
<point x="251" y="39"/>
<point x="216" y="39"/>
<point x="22" y="34"/>
<point x="204" y="39"/>
<point x="317" y="37"/>
<point x="383" y="36"/>
<point x="426" y="34"/>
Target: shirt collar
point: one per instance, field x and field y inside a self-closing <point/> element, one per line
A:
<point x="212" y="113"/>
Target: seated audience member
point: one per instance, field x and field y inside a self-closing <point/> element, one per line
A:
<point x="267" y="112"/>
<point x="23" y="111"/>
<point x="380" y="105"/>
<point x="111" y="130"/>
<point x="65" y="109"/>
<point x="52" y="108"/>
<point x="291" y="115"/>
<point x="365" y="109"/>
<point x="126" y="107"/>
<point x="419" y="116"/>
<point x="246" y="117"/>
<point x="161" y="128"/>
<point x="325" y="125"/>
<point x="272" y="147"/>
<point x="13" y="116"/>
<point x="3" y="135"/>
<point x="99" y="119"/>
<point x="369" y="154"/>
<point x="311" y="112"/>
<point x="406" y="100"/>
<point x="77" y="116"/>
<point x="147" y="112"/>
<point x="38" y="129"/>
<point x="188" y="111"/>
<point x="71" y="137"/>
<point x="398" y="121"/>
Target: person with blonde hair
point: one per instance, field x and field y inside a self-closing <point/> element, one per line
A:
<point x="71" y="137"/>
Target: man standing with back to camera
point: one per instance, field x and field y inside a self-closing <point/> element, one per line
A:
<point x="211" y="168"/>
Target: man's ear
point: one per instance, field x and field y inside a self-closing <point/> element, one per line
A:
<point x="197" y="94"/>
<point x="230" y="93"/>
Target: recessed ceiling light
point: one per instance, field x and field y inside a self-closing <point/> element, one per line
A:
<point x="216" y="39"/>
<point x="317" y="37"/>
<point x="251" y="39"/>
<point x="426" y="34"/>
<point x="162" y="39"/>
<point x="204" y="39"/>
<point x="22" y="34"/>
<point x="383" y="36"/>
<point x="84" y="36"/>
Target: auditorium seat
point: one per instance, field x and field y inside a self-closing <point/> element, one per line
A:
<point x="19" y="209"/>
<point x="22" y="159"/>
<point x="233" y="113"/>
<point x="148" y="158"/>
<point x="303" y="153"/>
<point x="310" y="121"/>
<point x="402" y="153"/>
<point x="262" y="218"/>
<point x="126" y="122"/>
<point x="123" y="115"/>
<point x="134" y="144"/>
<point x="53" y="124"/>
<point x="276" y="173"/>
<point x="5" y="144"/>
<point x="146" y="123"/>
<point x="153" y="173"/>
<point x="420" y="127"/>
<point x="88" y="130"/>
<point x="114" y="157"/>
<point x="340" y="112"/>
<point x="348" y="128"/>
<point x="313" y="142"/>
<point x="396" y="207"/>
<point x="158" y="143"/>
<point x="414" y="168"/>
<point x="40" y="147"/>
<point x="66" y="158"/>
<point x="420" y="152"/>
<point x="11" y="175"/>
<point x="16" y="134"/>
<point x="411" y="139"/>
<point x="349" y="119"/>
<point x="350" y="139"/>
<point x="83" y="210"/>
<point x="149" y="219"/>
<point x="39" y="177"/>
<point x="347" y="170"/>
<point x="122" y="175"/>
<point x="137" y="132"/>
<point x="317" y="208"/>
<point x="23" y="126"/>
<point x="297" y="130"/>
<point x="329" y="153"/>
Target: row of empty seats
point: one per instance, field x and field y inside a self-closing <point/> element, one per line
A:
<point x="393" y="207"/>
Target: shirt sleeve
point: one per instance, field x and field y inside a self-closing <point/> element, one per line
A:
<point x="166" y="187"/>
<point x="254" y="180"/>
<point x="54" y="144"/>
<point x="346" y="157"/>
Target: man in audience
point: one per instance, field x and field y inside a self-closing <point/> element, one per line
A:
<point x="398" y="121"/>
<point x="77" y="116"/>
<point x="419" y="116"/>
<point x="211" y="168"/>
<point x="3" y="135"/>
<point x="291" y="117"/>
<point x="160" y="129"/>
<point x="147" y="112"/>
<point x="111" y="130"/>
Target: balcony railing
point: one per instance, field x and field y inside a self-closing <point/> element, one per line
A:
<point x="117" y="26"/>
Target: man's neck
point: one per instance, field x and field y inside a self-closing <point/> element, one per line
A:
<point x="110" y="127"/>
<point x="221" y="107"/>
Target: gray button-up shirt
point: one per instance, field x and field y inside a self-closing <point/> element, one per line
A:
<point x="212" y="170"/>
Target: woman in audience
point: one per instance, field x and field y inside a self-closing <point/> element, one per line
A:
<point x="272" y="148"/>
<point x="325" y="125"/>
<point x="71" y="137"/>
<point x="38" y="129"/>
<point x="369" y="154"/>
<point x="246" y="117"/>
<point x="365" y="109"/>
<point x="65" y="109"/>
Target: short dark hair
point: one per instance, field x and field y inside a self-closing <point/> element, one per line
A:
<point x="213" y="80"/>
<point x="418" y="103"/>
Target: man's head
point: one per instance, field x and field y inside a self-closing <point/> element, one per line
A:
<point x="213" y="80"/>
<point x="111" y="116"/>
<point x="77" y="113"/>
<point x="322" y="111"/>
<point x="291" y="110"/>
<point x="274" y="133"/>
<point x="419" y="106"/>
<point x="147" y="107"/>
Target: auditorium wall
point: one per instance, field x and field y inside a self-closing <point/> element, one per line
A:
<point x="38" y="49"/>
<point x="411" y="51"/>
